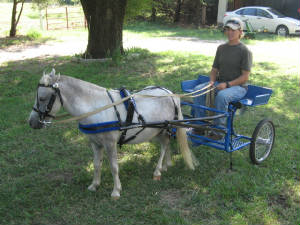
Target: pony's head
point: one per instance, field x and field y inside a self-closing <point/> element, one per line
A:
<point x="48" y="100"/>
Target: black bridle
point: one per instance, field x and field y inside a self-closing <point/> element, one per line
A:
<point x="46" y="112"/>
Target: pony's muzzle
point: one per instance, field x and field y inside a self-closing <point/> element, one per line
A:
<point x="34" y="121"/>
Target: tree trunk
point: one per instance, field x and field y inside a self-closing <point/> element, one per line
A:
<point x="13" y="28"/>
<point x="178" y="11"/>
<point x="105" y="26"/>
<point x="14" y="19"/>
<point x="153" y="14"/>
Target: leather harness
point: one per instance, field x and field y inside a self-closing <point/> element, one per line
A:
<point x="105" y="126"/>
<point x="117" y="125"/>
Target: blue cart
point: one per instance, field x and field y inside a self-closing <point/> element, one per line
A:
<point x="263" y="137"/>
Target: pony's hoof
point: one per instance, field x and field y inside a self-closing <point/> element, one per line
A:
<point x="156" y="177"/>
<point x="92" y="188"/>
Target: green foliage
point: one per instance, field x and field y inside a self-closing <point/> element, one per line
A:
<point x="41" y="4"/>
<point x="136" y="8"/>
<point x="33" y="15"/>
<point x="33" y="34"/>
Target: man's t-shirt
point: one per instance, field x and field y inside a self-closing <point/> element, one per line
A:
<point x="230" y="60"/>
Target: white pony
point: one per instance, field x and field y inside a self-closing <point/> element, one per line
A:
<point x="79" y="97"/>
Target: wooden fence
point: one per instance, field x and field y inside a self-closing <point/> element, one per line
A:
<point x="65" y="18"/>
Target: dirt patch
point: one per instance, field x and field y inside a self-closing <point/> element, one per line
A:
<point x="175" y="199"/>
<point x="171" y="198"/>
<point x="262" y="52"/>
<point x="280" y="199"/>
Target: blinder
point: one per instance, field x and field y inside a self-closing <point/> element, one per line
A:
<point x="46" y="112"/>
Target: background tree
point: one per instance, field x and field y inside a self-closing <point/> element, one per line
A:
<point x="16" y="14"/>
<point x="178" y="10"/>
<point x="188" y="12"/>
<point x="15" y="17"/>
<point x="105" y="20"/>
<point x="136" y="8"/>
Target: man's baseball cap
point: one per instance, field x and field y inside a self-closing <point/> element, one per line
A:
<point x="234" y="23"/>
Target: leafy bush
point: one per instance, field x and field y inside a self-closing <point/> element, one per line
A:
<point x="135" y="8"/>
<point x="33" y="34"/>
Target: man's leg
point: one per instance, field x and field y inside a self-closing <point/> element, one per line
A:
<point x="224" y="97"/>
<point x="200" y="100"/>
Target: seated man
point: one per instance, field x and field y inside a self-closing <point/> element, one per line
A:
<point x="229" y="73"/>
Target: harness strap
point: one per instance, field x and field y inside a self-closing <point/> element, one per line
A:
<point x="170" y="130"/>
<point x="46" y="113"/>
<point x="131" y="108"/>
<point x="115" y="107"/>
<point x="85" y="115"/>
<point x="99" y="127"/>
<point x="125" y="93"/>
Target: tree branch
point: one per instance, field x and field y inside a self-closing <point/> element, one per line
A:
<point x="20" y="11"/>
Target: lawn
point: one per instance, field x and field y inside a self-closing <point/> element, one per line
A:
<point x="44" y="174"/>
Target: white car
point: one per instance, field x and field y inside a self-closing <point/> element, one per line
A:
<point x="265" y="19"/>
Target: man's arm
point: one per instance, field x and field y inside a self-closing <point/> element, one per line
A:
<point x="241" y="79"/>
<point x="238" y="81"/>
<point x="213" y="75"/>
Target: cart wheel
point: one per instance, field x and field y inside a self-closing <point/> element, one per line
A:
<point x="262" y="142"/>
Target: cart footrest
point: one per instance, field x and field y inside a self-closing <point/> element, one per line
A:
<point x="237" y="143"/>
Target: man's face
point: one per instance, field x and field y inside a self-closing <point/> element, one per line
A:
<point x="232" y="35"/>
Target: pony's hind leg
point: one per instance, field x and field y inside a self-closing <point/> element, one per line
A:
<point x="98" y="158"/>
<point x="164" y="140"/>
<point x="167" y="162"/>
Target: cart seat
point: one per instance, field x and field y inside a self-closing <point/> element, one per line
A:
<point x="255" y="95"/>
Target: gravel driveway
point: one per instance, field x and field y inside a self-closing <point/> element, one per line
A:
<point x="285" y="52"/>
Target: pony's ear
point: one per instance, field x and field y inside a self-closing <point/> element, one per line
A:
<point x="52" y="74"/>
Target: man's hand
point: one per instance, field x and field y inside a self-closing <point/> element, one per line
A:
<point x="221" y="86"/>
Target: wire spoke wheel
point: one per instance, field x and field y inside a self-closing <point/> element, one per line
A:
<point x="262" y="141"/>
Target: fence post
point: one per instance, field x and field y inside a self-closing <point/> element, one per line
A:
<point x="67" y="18"/>
<point x="41" y="19"/>
<point x="203" y="18"/>
<point x="47" y="18"/>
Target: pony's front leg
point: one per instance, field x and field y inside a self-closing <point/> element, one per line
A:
<point x="98" y="158"/>
<point x="164" y="142"/>
<point x="113" y="160"/>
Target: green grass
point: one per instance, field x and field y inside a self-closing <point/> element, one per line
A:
<point x="31" y="38"/>
<point x="152" y="30"/>
<point x="148" y="29"/>
<point x="44" y="174"/>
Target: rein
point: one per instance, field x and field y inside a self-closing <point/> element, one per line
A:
<point x="194" y="94"/>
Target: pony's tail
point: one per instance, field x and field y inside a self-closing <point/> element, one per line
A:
<point x="187" y="154"/>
